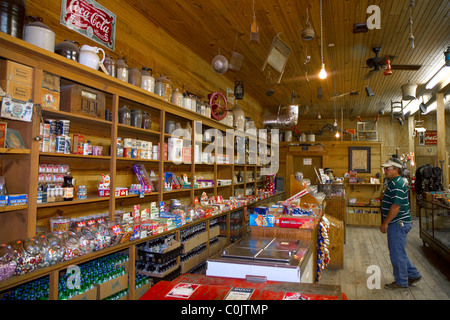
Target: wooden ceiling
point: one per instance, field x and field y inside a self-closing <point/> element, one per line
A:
<point x="207" y="26"/>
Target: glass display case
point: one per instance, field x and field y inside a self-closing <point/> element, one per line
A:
<point x="434" y="225"/>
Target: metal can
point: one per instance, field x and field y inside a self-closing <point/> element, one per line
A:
<point x="60" y="144"/>
<point x="63" y="127"/>
<point x="53" y="125"/>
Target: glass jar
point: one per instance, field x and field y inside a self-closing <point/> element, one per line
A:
<point x="102" y="237"/>
<point x="59" y="224"/>
<point x="7" y="262"/>
<point x="122" y="69"/>
<point x="134" y="77"/>
<point x="125" y="115"/>
<point x="71" y="243"/>
<point x="110" y="66"/>
<point x="146" y="120"/>
<point x="52" y="249"/>
<point x="28" y="255"/>
<point x="136" y="118"/>
<point x="86" y="237"/>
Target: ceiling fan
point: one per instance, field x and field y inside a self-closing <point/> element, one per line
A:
<point x="379" y="62"/>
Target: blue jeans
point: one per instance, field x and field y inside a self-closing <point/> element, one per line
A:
<point x="403" y="268"/>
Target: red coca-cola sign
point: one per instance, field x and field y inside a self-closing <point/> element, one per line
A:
<point x="90" y="19"/>
<point x="430" y="137"/>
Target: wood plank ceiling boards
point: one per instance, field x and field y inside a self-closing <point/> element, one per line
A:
<point x="206" y="26"/>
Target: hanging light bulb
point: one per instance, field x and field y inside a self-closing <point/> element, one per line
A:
<point x="323" y="73"/>
<point x="338" y="135"/>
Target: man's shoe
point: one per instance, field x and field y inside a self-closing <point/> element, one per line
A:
<point x="394" y="285"/>
<point x="411" y="281"/>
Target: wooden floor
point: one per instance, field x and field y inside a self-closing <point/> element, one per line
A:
<point x="366" y="246"/>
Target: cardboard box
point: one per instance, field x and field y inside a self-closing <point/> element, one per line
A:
<point x="3" y="128"/>
<point x="111" y="287"/>
<point x="195" y="242"/>
<point x="13" y="71"/>
<point x="297" y="222"/>
<point x="88" y="295"/>
<point x="17" y="90"/>
<point x="17" y="199"/>
<point x="262" y="220"/>
<point x="50" y="99"/>
<point x="51" y="82"/>
<point x="139" y="292"/>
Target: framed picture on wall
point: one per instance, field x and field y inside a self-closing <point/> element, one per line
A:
<point x="359" y="159"/>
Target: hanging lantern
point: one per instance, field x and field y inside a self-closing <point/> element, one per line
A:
<point x="388" y="67"/>
<point x="239" y="90"/>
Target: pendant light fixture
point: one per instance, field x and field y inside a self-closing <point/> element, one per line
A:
<point x="323" y="73"/>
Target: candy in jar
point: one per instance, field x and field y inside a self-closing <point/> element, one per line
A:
<point x="28" y="255"/>
<point x="87" y="242"/>
<point x="71" y="244"/>
<point x="102" y="238"/>
<point x="53" y="251"/>
<point x="7" y="262"/>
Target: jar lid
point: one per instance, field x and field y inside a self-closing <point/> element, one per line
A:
<point x="37" y="23"/>
<point x="32" y="246"/>
<point x="70" y="238"/>
<point x="6" y="253"/>
<point x="67" y="45"/>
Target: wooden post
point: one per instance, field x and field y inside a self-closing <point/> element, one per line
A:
<point x="441" y="138"/>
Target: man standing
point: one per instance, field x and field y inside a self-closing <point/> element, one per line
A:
<point x="397" y="223"/>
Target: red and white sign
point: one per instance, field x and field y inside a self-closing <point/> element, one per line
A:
<point x="430" y="137"/>
<point x="90" y="19"/>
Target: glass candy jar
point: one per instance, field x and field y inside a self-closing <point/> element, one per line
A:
<point x="7" y="262"/>
<point x="146" y="121"/>
<point x="102" y="237"/>
<point x="28" y="255"/>
<point x="52" y="249"/>
<point x="136" y="118"/>
<point x="125" y="115"/>
<point x="71" y="243"/>
<point x="87" y="240"/>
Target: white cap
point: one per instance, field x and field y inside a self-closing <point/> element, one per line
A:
<point x="391" y="163"/>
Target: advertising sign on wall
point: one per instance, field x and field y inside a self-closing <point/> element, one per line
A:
<point x="90" y="19"/>
<point x="430" y="137"/>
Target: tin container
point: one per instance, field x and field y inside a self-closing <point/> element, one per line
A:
<point x="62" y="127"/>
<point x="60" y="145"/>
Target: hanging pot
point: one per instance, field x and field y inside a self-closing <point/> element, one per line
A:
<point x="308" y="33"/>
<point x="409" y="91"/>
<point x="39" y="34"/>
<point x="68" y="49"/>
<point x="220" y="64"/>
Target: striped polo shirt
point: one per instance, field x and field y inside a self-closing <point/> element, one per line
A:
<point x="396" y="193"/>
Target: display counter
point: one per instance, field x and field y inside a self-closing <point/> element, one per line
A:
<point x="434" y="226"/>
<point x="269" y="258"/>
<point x="200" y="287"/>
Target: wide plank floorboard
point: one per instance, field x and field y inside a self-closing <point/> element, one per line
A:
<point x="367" y="246"/>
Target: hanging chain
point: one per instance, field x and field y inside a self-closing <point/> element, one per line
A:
<point x="321" y="38"/>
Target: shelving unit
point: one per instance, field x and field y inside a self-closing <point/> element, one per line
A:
<point x="365" y="214"/>
<point x="21" y="167"/>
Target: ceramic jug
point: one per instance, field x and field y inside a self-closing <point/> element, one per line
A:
<point x="89" y="56"/>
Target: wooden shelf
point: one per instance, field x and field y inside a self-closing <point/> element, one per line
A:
<point x="13" y="208"/>
<point x="8" y="151"/>
<point x="70" y="155"/>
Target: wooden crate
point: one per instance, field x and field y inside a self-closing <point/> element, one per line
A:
<point x="336" y="247"/>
